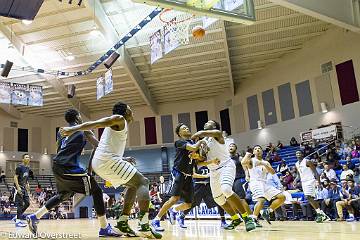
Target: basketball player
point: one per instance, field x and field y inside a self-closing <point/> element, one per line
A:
<point x="202" y="192"/>
<point x="109" y="164"/>
<point x="71" y="178"/>
<point x="22" y="189"/>
<point x="182" y="172"/>
<point x="261" y="191"/>
<point x="307" y="173"/>
<point x="222" y="176"/>
<point x="240" y="176"/>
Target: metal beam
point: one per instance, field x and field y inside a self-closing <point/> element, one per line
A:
<point x="344" y="13"/>
<point x="110" y="32"/>
<point x="56" y="83"/>
<point x="227" y="56"/>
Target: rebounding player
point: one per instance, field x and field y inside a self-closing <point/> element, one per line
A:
<point x="71" y="178"/>
<point x="261" y="191"/>
<point x="182" y="186"/>
<point x="222" y="176"/>
<point x="202" y="192"/>
<point x="22" y="189"/>
<point x="307" y="173"/>
<point x="108" y="163"/>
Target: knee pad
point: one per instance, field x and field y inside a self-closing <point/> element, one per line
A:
<point x="220" y="200"/>
<point x="227" y="190"/>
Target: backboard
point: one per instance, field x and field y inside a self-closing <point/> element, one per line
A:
<point x="239" y="11"/>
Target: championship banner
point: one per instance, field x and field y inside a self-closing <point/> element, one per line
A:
<point x="100" y="88"/>
<point x="5" y="92"/>
<point x="108" y="82"/>
<point x="170" y="41"/>
<point x="155" y="46"/>
<point x="306" y="136"/>
<point x="35" y="96"/>
<point x="325" y="133"/>
<point x="19" y="94"/>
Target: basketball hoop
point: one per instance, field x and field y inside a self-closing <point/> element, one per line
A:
<point x="178" y="24"/>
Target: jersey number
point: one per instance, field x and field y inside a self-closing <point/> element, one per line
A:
<point x="204" y="171"/>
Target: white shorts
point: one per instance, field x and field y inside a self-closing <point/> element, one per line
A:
<point x="113" y="168"/>
<point x="309" y="187"/>
<point x="224" y="175"/>
<point x="260" y="189"/>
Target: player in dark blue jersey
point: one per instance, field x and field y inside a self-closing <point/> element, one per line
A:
<point x="22" y="189"/>
<point x="71" y="178"/>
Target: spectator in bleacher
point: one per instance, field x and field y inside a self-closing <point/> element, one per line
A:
<point x="276" y="157"/>
<point x="293" y="142"/>
<point x="354" y="192"/>
<point x="282" y="167"/>
<point x="346" y="171"/>
<point x="6" y="208"/>
<point x="270" y="148"/>
<point x="308" y="150"/>
<point x="357" y="176"/>
<point x="321" y="194"/>
<point x="279" y="145"/>
<point x="4" y="198"/>
<point x="323" y="177"/>
<point x="38" y="190"/>
<point x="2" y="176"/>
<point x="330" y="173"/>
<point x="287" y="180"/>
<point x="350" y="164"/>
<point x="344" y="201"/>
<point x="355" y="153"/>
<point x="332" y="198"/>
<point x="319" y="167"/>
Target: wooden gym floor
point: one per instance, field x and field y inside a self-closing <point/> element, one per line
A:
<point x="206" y="229"/>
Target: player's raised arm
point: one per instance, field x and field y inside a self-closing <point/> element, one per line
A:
<point x="196" y="146"/>
<point x="114" y="120"/>
<point x="209" y="133"/>
<point x="90" y="136"/>
<point x="246" y="160"/>
<point x="311" y="165"/>
<point x="267" y="166"/>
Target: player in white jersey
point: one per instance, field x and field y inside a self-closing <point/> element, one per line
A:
<point x="222" y="176"/>
<point x="109" y="164"/>
<point x="261" y="191"/>
<point x="306" y="171"/>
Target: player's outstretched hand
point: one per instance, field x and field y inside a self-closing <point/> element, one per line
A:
<point x="65" y="131"/>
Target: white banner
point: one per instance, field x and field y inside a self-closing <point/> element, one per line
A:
<point x="325" y="132"/>
<point x="156" y="46"/>
<point x="108" y="82"/>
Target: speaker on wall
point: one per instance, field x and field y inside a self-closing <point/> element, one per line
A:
<point x="111" y="60"/>
<point x="71" y="91"/>
<point x="7" y="68"/>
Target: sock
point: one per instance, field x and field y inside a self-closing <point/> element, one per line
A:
<point x="157" y="218"/>
<point x="123" y="218"/>
<point x="17" y="220"/>
<point x="144" y="217"/>
<point x="351" y="215"/>
<point x="270" y="210"/>
<point x="41" y="212"/>
<point x="235" y="217"/>
<point x="102" y="221"/>
<point x="318" y="210"/>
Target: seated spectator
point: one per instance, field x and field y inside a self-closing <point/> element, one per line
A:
<point x="333" y="197"/>
<point x="344" y="202"/>
<point x="346" y="172"/>
<point x="357" y="176"/>
<point x="279" y="145"/>
<point x="352" y="200"/>
<point x="276" y="157"/>
<point x="287" y="181"/>
<point x="270" y="148"/>
<point x="308" y="150"/>
<point x="2" y="176"/>
<point x="293" y="142"/>
<point x="349" y="163"/>
<point x="282" y="167"/>
<point x="321" y="194"/>
<point x="319" y="167"/>
<point x="354" y="153"/>
<point x="38" y="190"/>
<point x="330" y="173"/>
<point x="7" y="208"/>
<point x="323" y="177"/>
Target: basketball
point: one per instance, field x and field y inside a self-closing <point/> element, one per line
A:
<point x="198" y="32"/>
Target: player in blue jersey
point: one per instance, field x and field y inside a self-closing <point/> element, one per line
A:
<point x="71" y="178"/>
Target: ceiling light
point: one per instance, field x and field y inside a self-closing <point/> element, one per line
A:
<point x="27" y="22"/>
<point x="324" y="108"/>
<point x="260" y="125"/>
<point x="70" y="58"/>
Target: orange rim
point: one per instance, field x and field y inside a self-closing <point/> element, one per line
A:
<point x="161" y="17"/>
